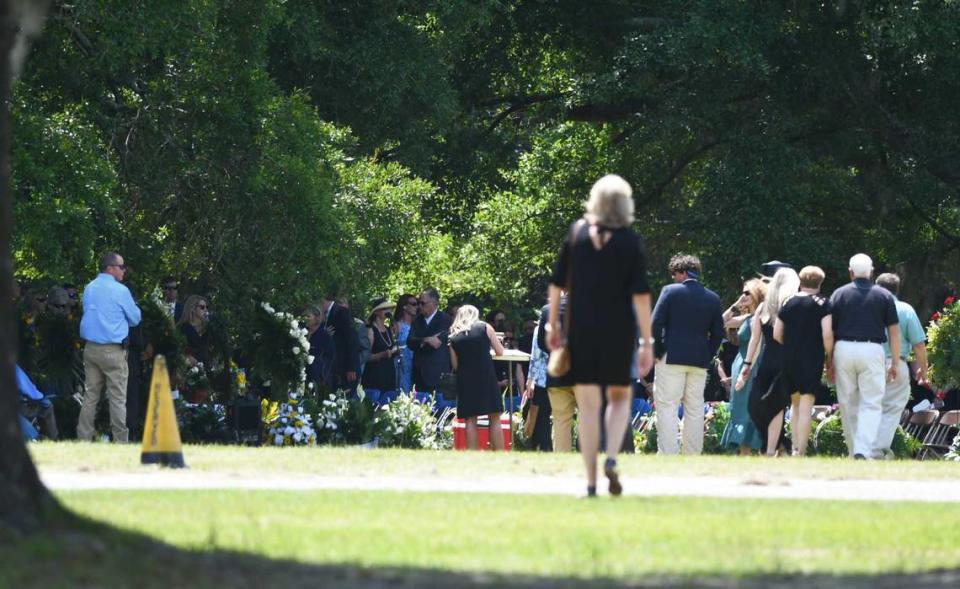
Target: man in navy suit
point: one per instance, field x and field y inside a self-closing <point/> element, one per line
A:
<point x="687" y="330"/>
<point x="338" y="320"/>
<point x="428" y="341"/>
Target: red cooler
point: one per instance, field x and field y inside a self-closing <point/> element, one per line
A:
<point x="483" y="431"/>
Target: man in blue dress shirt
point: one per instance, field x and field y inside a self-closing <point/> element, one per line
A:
<point x="108" y="314"/>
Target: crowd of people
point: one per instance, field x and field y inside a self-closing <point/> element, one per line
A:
<point x="766" y="353"/>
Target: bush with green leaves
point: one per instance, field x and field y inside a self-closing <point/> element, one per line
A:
<point x="716" y="421"/>
<point x="406" y="423"/>
<point x="201" y="422"/>
<point x="828" y="440"/>
<point x="943" y="344"/>
<point x="159" y="330"/>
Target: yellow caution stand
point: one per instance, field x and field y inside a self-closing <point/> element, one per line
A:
<point x="161" y="436"/>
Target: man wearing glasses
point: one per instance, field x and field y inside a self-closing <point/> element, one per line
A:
<point x="171" y="290"/>
<point x="108" y="314"/>
<point x="428" y="341"/>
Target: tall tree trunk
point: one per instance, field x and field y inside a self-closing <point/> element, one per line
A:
<point x="24" y="501"/>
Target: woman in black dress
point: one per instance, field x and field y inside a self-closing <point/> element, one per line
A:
<point x="805" y="328"/>
<point x="380" y="373"/>
<point x="603" y="262"/>
<point x="768" y="394"/>
<point x="477" y="392"/>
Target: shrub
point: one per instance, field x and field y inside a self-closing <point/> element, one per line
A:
<point x="943" y="344"/>
<point x="716" y="421"/>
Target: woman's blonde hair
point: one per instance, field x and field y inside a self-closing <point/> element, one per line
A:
<point x="610" y="203"/>
<point x="756" y="289"/>
<point x="188" y="307"/>
<point x="784" y="285"/>
<point x="466" y="317"/>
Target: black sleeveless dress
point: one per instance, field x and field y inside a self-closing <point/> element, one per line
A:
<point x="603" y="329"/>
<point x="477" y="390"/>
<point x="380" y="375"/>
<point x="768" y="395"/>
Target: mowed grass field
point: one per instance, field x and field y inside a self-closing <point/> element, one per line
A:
<point x="429" y="538"/>
<point x="334" y="461"/>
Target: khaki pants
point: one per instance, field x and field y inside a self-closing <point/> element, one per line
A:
<point x="860" y="369"/>
<point x="895" y="399"/>
<point x="562" y="405"/>
<point x="104" y="364"/>
<point x="673" y="384"/>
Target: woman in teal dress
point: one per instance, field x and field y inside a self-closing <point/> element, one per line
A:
<point x="740" y="433"/>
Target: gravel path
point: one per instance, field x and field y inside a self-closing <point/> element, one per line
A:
<point x="690" y="486"/>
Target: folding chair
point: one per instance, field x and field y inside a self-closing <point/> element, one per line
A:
<point x="904" y="417"/>
<point x="821" y="412"/>
<point x="940" y="437"/>
<point x="920" y="423"/>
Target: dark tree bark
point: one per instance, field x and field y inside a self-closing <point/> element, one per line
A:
<point x="24" y="501"/>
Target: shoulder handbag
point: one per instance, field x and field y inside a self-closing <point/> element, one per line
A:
<point x="559" y="363"/>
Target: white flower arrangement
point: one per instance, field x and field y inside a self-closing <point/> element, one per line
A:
<point x="291" y="425"/>
<point x="407" y="423"/>
<point x="285" y="354"/>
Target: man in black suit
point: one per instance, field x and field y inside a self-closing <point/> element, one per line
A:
<point x="171" y="303"/>
<point x="338" y="320"/>
<point x="687" y="330"/>
<point x="428" y="341"/>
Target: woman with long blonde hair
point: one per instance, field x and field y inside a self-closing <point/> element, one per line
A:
<point x="477" y="392"/>
<point x="768" y="398"/>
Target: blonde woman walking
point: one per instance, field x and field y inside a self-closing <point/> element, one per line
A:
<point x="603" y="263"/>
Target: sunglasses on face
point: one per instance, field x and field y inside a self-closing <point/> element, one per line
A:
<point x="202" y="307"/>
<point x="171" y="287"/>
<point x="121" y="266"/>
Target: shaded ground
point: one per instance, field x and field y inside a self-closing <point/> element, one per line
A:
<point x="94" y="556"/>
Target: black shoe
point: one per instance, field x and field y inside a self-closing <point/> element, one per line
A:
<point x="859" y="457"/>
<point x="610" y="470"/>
<point x="591" y="492"/>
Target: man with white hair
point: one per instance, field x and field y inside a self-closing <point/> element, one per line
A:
<point x="864" y="314"/>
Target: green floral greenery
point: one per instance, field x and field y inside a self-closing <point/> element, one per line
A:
<point x="943" y="345"/>
<point x="159" y="330"/>
<point x="828" y="440"/>
<point x="278" y="351"/>
<point x="954" y="453"/>
<point x="716" y="421"/>
<point x="645" y="438"/>
<point x="200" y="422"/>
<point x="341" y="420"/>
<point x="406" y="423"/>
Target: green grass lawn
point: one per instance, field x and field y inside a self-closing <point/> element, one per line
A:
<point x="550" y="536"/>
<point x="242" y="538"/>
<point x="62" y="456"/>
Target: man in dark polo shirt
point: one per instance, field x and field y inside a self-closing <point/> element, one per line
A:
<point x="863" y="315"/>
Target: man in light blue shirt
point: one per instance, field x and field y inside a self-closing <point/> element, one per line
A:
<point x="897" y="393"/>
<point x="108" y="314"/>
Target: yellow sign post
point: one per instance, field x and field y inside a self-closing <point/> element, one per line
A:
<point x="161" y="436"/>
